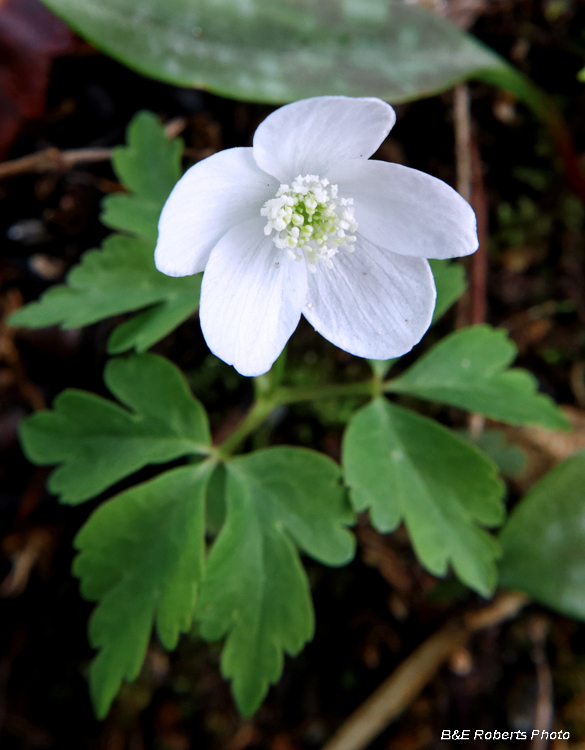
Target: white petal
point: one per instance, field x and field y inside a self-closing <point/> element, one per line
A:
<point x="251" y="298"/>
<point x="372" y="303"/>
<point x="211" y="197"/>
<point x="305" y="137"/>
<point x="407" y="211"/>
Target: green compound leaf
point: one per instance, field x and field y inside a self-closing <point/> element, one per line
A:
<point x="98" y="442"/>
<point x="143" y="330"/>
<point x="121" y="277"/>
<point x="262" y="50"/>
<point x="468" y="369"/>
<point x="403" y="466"/>
<point x="450" y="282"/>
<point x="118" y="278"/>
<point x="141" y="556"/>
<point x="544" y="540"/>
<point x="255" y="590"/>
<point x="148" y="167"/>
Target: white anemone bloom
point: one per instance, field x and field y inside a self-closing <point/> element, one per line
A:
<point x="303" y="223"/>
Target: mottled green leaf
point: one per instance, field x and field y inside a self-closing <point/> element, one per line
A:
<point x="97" y="443"/>
<point x="405" y="467"/>
<point x="544" y="540"/>
<point x="255" y="591"/>
<point x="263" y="50"/>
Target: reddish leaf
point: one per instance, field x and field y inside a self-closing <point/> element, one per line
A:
<point x="30" y="37"/>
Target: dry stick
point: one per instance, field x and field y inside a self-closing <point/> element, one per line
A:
<point x="462" y="133"/>
<point x="53" y="160"/>
<point x="470" y="186"/>
<point x="398" y="691"/>
<point x="175" y="127"/>
<point x="462" y="121"/>
<point x="544" y="702"/>
<point x="479" y="263"/>
<point x="405" y="683"/>
<point x="479" y="258"/>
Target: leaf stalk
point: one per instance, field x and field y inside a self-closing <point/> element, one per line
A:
<point x="268" y="400"/>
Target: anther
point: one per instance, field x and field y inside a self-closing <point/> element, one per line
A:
<point x="310" y="221"/>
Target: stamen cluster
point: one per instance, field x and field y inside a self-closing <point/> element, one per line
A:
<point x="310" y="220"/>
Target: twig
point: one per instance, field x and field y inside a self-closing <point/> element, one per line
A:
<point x="10" y="355"/>
<point x="505" y="607"/>
<point x="175" y="127"/>
<point x="479" y="258"/>
<point x="463" y="178"/>
<point x="472" y="307"/>
<point x="544" y="700"/>
<point x="577" y="381"/>
<point x="470" y="186"/>
<point x="36" y="543"/>
<point x="399" y="690"/>
<point x="32" y="494"/>
<point x="462" y="121"/>
<point x="54" y="160"/>
<point x="479" y="261"/>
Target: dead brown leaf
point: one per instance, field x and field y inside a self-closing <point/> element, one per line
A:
<point x="27" y="551"/>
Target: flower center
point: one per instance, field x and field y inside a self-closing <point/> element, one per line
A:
<point x="309" y="220"/>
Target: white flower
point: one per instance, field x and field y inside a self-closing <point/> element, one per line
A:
<point x="304" y="223"/>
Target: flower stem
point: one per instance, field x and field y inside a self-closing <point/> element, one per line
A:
<point x="260" y="411"/>
<point x="267" y="401"/>
<point x="313" y="393"/>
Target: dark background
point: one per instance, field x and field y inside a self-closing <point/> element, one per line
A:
<point x="55" y="91"/>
